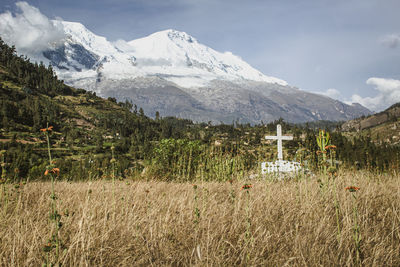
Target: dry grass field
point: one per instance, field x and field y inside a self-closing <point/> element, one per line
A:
<point x="302" y="222"/>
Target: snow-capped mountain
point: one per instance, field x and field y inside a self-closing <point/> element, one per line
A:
<point x="171" y="72"/>
<point x="173" y="55"/>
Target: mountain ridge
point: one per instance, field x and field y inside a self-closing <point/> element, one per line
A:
<point x="198" y="78"/>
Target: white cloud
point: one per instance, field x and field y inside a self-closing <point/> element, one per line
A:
<point x="389" y="94"/>
<point x="391" y="40"/>
<point x="332" y="93"/>
<point x="29" y="30"/>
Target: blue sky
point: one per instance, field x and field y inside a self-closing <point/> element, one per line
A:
<point x="347" y="49"/>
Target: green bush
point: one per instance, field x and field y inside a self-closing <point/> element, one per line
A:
<point x="176" y="157"/>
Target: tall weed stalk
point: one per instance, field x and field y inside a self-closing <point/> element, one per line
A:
<point x="54" y="242"/>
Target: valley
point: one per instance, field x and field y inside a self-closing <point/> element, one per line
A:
<point x="163" y="151"/>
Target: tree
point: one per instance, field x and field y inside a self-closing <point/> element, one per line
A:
<point x="141" y="113"/>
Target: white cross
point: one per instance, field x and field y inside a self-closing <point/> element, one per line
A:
<point x="279" y="137"/>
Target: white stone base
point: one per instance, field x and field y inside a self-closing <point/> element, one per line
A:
<point x="280" y="166"/>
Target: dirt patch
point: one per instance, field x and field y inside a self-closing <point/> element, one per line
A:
<point x="83" y="123"/>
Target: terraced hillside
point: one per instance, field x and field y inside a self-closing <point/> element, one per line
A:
<point x="381" y="127"/>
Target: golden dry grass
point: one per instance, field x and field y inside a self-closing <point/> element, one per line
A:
<point x="153" y="223"/>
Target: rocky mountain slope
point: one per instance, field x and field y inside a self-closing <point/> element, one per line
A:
<point x="392" y="114"/>
<point x="171" y="72"/>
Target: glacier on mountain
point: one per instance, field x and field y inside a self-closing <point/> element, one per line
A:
<point x="175" y="56"/>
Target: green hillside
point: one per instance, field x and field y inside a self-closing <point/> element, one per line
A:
<point x="31" y="97"/>
<point x="383" y="127"/>
<point x="87" y="127"/>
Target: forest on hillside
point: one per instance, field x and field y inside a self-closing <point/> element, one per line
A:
<point x="96" y="138"/>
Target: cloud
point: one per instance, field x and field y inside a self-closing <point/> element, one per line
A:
<point x="389" y="94"/>
<point x="332" y="93"/>
<point x="29" y="30"/>
<point x="391" y="40"/>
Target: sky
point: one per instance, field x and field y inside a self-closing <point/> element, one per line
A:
<point x="346" y="49"/>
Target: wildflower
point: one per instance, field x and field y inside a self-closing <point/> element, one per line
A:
<point x="47" y="247"/>
<point x="352" y="188"/>
<point x="48" y="129"/>
<point x="54" y="170"/>
<point x="113" y="160"/>
<point x="332" y="170"/>
<point x="247" y="186"/>
<point x="330" y="147"/>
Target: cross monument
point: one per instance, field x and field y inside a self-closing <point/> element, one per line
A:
<point x="279" y="166"/>
<point x="279" y="137"/>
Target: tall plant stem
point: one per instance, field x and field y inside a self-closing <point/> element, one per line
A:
<point x="337" y="211"/>
<point x="113" y="179"/>
<point x="356" y="233"/>
<point x="54" y="214"/>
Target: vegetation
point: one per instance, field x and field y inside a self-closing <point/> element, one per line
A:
<point x="157" y="223"/>
<point x="85" y="127"/>
<point x="167" y="191"/>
